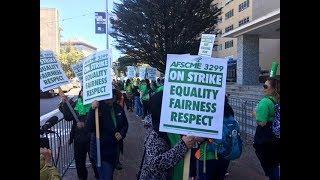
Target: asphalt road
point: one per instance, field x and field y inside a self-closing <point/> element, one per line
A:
<point x="49" y="104"/>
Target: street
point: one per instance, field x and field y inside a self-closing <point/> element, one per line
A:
<point x="49" y="104"/>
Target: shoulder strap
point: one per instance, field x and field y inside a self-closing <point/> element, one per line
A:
<point x="272" y="100"/>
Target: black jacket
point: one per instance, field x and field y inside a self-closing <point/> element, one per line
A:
<point x="109" y="145"/>
<point x="78" y="135"/>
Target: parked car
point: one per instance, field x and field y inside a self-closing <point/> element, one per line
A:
<point x="48" y="94"/>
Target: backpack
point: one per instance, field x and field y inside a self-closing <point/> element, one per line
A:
<point x="276" y="120"/>
<point x="230" y="146"/>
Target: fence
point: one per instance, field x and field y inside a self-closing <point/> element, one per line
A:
<point x="243" y="110"/>
<point x="62" y="152"/>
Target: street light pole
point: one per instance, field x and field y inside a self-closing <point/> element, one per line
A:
<point x="107" y="24"/>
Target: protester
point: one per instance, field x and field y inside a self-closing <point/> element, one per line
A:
<point x="47" y="170"/>
<point x="113" y="129"/>
<point x="153" y="87"/>
<point x="160" y="85"/>
<point x="144" y="90"/>
<point x="79" y="135"/>
<point x="264" y="144"/>
<point x="129" y="95"/>
<point x="137" y="101"/>
<point x="164" y="152"/>
<point x="215" y="164"/>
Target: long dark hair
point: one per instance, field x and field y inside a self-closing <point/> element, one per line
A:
<point x="228" y="111"/>
<point x="275" y="84"/>
<point x="128" y="82"/>
<point x="155" y="109"/>
<point x="148" y="83"/>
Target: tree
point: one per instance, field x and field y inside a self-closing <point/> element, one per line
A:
<point x="148" y="30"/>
<point x="69" y="56"/>
<point x="125" y="61"/>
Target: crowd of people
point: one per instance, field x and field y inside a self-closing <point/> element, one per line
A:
<point x="163" y="156"/>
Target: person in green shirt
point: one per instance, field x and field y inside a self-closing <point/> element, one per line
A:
<point x="161" y="84"/>
<point x="144" y="90"/>
<point x="263" y="138"/>
<point x="129" y="95"/>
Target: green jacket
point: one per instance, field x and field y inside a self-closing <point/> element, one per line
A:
<point x="48" y="172"/>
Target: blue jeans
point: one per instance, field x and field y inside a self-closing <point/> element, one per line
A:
<point x="138" y="106"/>
<point x="105" y="171"/>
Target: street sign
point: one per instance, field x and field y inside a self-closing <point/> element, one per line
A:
<point x="100" y="22"/>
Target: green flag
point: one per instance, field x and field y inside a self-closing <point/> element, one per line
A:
<point x="274" y="68"/>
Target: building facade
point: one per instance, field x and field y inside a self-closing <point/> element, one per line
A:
<point x="258" y="41"/>
<point x="50" y="29"/>
<point x="236" y="14"/>
<point x="83" y="47"/>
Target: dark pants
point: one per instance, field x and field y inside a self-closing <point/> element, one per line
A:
<point x="80" y="155"/>
<point x="268" y="160"/>
<point x="128" y="101"/>
<point x="146" y="110"/>
<point x="215" y="169"/>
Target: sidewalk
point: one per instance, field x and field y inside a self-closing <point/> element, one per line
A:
<point x="245" y="168"/>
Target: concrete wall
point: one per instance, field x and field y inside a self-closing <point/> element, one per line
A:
<point x="269" y="50"/>
<point x="263" y="7"/>
<point x="49" y="29"/>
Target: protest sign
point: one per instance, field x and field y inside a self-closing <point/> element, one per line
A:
<point x="97" y="80"/>
<point x="206" y="44"/>
<point x="77" y="69"/>
<point x="193" y="96"/>
<point x="142" y="72"/>
<point x="152" y="74"/>
<point x="131" y="72"/>
<point x="51" y="74"/>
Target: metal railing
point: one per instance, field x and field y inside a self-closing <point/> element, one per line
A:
<point x="243" y="110"/>
<point x="62" y="152"/>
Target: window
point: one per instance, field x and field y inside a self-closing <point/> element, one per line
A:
<point x="229" y="28"/>
<point x="243" y="5"/>
<point x="244" y="21"/>
<point x="228" y="44"/>
<point x="229" y="14"/>
<point x="214" y="48"/>
<point x="217" y="47"/>
<point x="228" y="1"/>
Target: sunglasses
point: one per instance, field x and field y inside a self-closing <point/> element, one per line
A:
<point x="265" y="86"/>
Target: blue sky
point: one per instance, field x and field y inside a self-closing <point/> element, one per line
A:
<point x="81" y="24"/>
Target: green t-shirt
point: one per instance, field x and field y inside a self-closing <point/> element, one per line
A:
<point x="129" y="88"/>
<point x="265" y="110"/>
<point x="145" y="94"/>
<point x="160" y="88"/>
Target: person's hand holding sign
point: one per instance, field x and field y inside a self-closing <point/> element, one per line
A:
<point x="80" y="125"/>
<point x="189" y="141"/>
<point x="95" y="104"/>
<point x="118" y="136"/>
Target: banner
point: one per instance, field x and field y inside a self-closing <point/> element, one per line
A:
<point x="206" y="44"/>
<point x="100" y="22"/>
<point x="142" y="72"/>
<point x="131" y="72"/>
<point x="77" y="69"/>
<point x="51" y="74"/>
<point x="193" y="96"/>
<point x="97" y="79"/>
<point x="152" y="74"/>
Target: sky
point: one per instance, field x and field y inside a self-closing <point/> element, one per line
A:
<point x="78" y="22"/>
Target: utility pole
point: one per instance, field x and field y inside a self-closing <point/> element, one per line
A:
<point x="107" y="24"/>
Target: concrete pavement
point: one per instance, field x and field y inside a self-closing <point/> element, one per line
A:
<point x="247" y="167"/>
